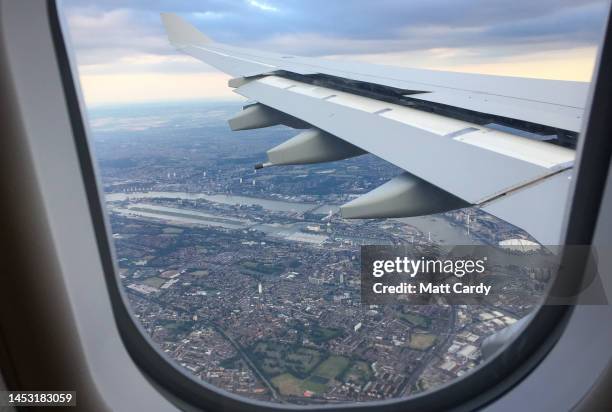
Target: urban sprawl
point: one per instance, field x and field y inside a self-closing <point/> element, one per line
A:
<point x="251" y="280"/>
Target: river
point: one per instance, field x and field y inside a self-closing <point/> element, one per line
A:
<point x="440" y="229"/>
<point x="273" y="205"/>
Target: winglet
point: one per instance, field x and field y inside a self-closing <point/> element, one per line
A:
<point x="181" y="32"/>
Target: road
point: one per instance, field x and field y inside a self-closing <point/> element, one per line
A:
<point x="231" y="340"/>
<point x="438" y="350"/>
<point x="249" y="362"/>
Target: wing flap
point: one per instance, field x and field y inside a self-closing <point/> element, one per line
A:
<point x="553" y="115"/>
<point x="538" y="208"/>
<point x="416" y="141"/>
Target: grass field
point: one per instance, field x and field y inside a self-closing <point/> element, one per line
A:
<point x="295" y="369"/>
<point x="320" y="334"/>
<point x="288" y="385"/>
<point x="359" y="373"/>
<point x="315" y="384"/>
<point x="415" y="319"/>
<point x="271" y="366"/>
<point x="269" y="358"/>
<point x="421" y="341"/>
<point x="275" y="358"/>
<point x="154" y="281"/>
<point x="303" y="360"/>
<point x="177" y="327"/>
<point x="332" y="367"/>
<point x="259" y="269"/>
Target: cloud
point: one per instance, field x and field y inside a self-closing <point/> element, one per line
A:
<point x="147" y="87"/>
<point x="366" y="26"/>
<point x="105" y="36"/>
<point x="568" y="64"/>
<point x="262" y="6"/>
<point x="208" y="15"/>
<point x="117" y="37"/>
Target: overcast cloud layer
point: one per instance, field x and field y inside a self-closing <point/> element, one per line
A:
<point x="121" y="37"/>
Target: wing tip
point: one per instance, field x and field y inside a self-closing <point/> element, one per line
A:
<point x="181" y="32"/>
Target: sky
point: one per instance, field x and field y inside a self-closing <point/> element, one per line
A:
<point x="123" y="54"/>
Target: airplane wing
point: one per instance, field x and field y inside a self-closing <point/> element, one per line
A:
<point x="504" y="144"/>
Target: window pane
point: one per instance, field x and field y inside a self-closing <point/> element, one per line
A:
<point x="250" y="278"/>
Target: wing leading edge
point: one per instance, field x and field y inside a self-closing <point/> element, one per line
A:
<point x="447" y="140"/>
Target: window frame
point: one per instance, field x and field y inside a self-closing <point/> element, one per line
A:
<point x="481" y="386"/>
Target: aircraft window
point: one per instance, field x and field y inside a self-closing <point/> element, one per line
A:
<point x="249" y="279"/>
